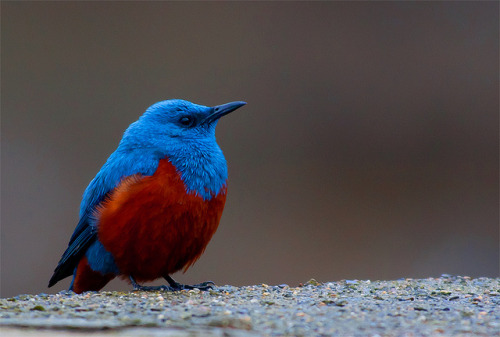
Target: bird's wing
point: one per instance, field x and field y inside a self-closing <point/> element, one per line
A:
<point x="72" y="254"/>
<point x="119" y="166"/>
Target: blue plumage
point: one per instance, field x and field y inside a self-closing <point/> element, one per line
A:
<point x="100" y="259"/>
<point x="177" y="130"/>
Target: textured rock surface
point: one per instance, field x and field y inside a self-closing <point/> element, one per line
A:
<point x="445" y="306"/>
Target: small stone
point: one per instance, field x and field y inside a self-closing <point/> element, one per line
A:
<point x="312" y="282"/>
<point x="38" y="308"/>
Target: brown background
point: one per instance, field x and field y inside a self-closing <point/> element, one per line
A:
<point x="368" y="148"/>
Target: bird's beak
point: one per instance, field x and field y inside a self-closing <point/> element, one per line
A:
<point x="222" y="110"/>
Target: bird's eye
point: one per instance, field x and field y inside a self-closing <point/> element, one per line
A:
<point x="186" y="121"/>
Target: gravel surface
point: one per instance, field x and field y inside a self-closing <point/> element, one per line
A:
<point x="445" y="306"/>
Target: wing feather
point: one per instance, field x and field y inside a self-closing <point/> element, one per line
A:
<point x="119" y="166"/>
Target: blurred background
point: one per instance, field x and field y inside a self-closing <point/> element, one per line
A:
<point x="368" y="148"/>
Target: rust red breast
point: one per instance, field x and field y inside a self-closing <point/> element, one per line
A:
<point x="153" y="228"/>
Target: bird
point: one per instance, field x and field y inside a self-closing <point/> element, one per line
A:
<point x="154" y="205"/>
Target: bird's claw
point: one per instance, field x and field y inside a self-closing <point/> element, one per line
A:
<point x="174" y="286"/>
<point x="204" y="286"/>
<point x="207" y="284"/>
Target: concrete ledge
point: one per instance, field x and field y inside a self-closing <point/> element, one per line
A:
<point x="445" y="306"/>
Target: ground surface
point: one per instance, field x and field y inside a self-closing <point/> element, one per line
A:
<point x="446" y="306"/>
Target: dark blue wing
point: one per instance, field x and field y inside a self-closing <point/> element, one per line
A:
<point x="118" y="166"/>
<point x="76" y="248"/>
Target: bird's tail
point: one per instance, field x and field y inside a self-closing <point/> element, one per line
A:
<point x="86" y="279"/>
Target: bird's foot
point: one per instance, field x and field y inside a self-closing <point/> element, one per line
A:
<point x="204" y="286"/>
<point x="174" y="286"/>
<point x="138" y="287"/>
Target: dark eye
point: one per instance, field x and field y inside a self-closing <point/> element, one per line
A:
<point x="186" y="121"/>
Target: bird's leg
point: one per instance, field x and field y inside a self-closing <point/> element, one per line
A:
<point x="174" y="286"/>
<point x="149" y="288"/>
<point x="177" y="286"/>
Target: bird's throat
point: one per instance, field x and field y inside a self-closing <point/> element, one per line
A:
<point x="203" y="173"/>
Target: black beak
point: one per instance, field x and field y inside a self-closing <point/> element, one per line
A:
<point x="222" y="110"/>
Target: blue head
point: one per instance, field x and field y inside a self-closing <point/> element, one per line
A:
<point x="184" y="133"/>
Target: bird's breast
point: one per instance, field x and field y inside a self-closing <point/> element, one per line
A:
<point x="153" y="226"/>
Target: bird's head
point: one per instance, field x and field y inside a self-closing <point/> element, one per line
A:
<point x="173" y="123"/>
<point x="184" y="133"/>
